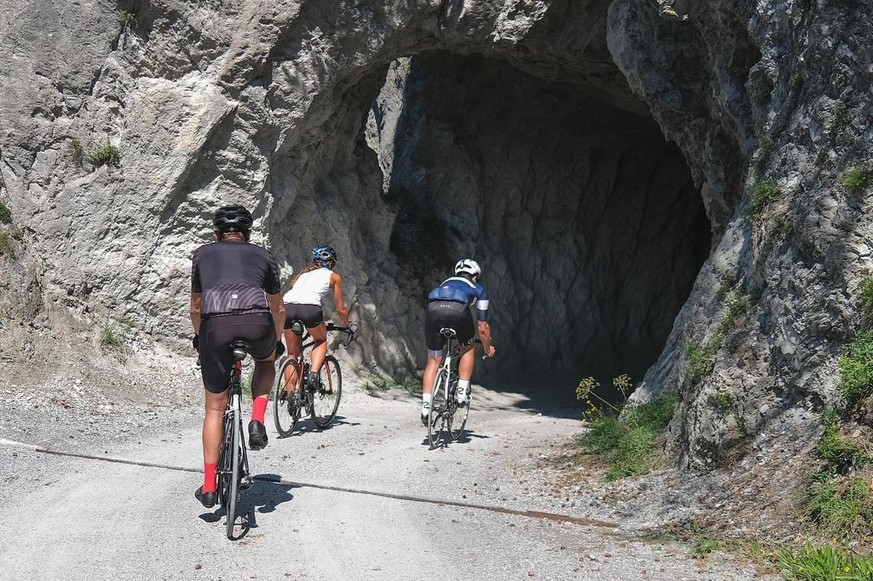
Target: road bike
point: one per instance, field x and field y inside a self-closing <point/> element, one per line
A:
<point x="233" y="465"/>
<point x="447" y="417"/>
<point x="293" y="398"/>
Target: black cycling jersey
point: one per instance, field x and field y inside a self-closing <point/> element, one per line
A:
<point x="234" y="277"/>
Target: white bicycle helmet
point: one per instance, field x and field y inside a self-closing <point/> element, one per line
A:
<point x="468" y="266"/>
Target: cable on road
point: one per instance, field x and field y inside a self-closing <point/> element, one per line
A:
<point x="535" y="514"/>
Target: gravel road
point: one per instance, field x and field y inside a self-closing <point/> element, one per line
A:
<point x="105" y="491"/>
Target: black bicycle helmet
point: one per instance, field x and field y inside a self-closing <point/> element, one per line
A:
<point x="323" y="255"/>
<point x="233" y="219"/>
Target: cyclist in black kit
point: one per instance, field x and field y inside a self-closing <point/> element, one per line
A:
<point x="234" y="295"/>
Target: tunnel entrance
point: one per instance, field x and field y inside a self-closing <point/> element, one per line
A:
<point x="585" y="219"/>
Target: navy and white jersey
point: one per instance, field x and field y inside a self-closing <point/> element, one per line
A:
<point x="234" y="277"/>
<point x="462" y="290"/>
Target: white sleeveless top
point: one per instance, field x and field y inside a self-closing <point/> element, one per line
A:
<point x="310" y="288"/>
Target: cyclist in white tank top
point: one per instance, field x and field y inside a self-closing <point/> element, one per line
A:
<point x="303" y="303"/>
<point x="310" y="287"/>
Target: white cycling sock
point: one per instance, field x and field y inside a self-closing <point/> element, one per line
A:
<point x="463" y="386"/>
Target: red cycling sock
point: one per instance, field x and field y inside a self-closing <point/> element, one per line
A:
<point x="209" y="476"/>
<point x="259" y="407"/>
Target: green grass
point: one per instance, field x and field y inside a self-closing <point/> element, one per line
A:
<point x="698" y="362"/>
<point x="734" y="307"/>
<point x="783" y="226"/>
<point x="112" y="338"/>
<point x="856" y="368"/>
<point x="763" y="194"/>
<point x="839" y="121"/>
<point x="376" y="382"/>
<point x="867" y="299"/>
<point x="856" y="180"/>
<point x="6" y="248"/>
<point x="246" y="383"/>
<point x="628" y="443"/>
<point x="839" y="454"/>
<point x="5" y="214"/>
<point x="724" y="401"/>
<point x="127" y="18"/>
<point x="824" y="564"/>
<point x="704" y="547"/>
<point x="106" y="154"/>
<point x="840" y="506"/>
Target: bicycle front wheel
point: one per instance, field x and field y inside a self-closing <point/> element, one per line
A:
<point x="459" y="418"/>
<point x="436" y="419"/>
<point x="286" y="404"/>
<point x="326" y="396"/>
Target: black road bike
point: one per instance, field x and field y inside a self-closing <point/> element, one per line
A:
<point x="447" y="417"/>
<point x="233" y="464"/>
<point x="295" y="397"/>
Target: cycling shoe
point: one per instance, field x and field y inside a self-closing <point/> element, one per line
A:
<point x="207" y="499"/>
<point x="257" y="435"/>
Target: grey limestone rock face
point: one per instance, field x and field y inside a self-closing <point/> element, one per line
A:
<point x="597" y="158"/>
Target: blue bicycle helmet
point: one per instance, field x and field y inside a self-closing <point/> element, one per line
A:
<point x="324" y="255"/>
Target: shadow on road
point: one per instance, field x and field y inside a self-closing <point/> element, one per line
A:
<point x="267" y="492"/>
<point x="307" y="426"/>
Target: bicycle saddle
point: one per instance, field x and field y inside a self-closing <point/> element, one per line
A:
<point x="240" y="349"/>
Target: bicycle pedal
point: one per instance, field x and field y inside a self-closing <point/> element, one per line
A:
<point x="245" y="483"/>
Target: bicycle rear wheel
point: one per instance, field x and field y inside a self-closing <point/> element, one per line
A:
<point x="436" y="420"/>
<point x="286" y="410"/>
<point x="326" y="397"/>
<point x="225" y="466"/>
<point x="233" y="488"/>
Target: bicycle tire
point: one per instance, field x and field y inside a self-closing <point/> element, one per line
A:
<point x="286" y="411"/>
<point x="325" y="400"/>
<point x="225" y="469"/>
<point x="436" y="418"/>
<point x="459" y="417"/>
<point x="233" y="492"/>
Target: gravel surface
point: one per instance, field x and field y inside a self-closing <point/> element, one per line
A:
<point x="364" y="500"/>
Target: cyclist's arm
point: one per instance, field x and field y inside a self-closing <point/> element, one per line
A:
<point x="485" y="337"/>
<point x="337" y="284"/>
<point x="195" y="312"/>
<point x="277" y="309"/>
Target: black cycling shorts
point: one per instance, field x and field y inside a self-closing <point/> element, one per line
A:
<point x="310" y="315"/>
<point x="216" y="335"/>
<point x="447" y="314"/>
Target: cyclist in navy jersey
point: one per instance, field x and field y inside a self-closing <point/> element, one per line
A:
<point x="234" y="295"/>
<point x="449" y="306"/>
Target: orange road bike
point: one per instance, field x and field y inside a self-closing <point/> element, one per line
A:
<point x="321" y="400"/>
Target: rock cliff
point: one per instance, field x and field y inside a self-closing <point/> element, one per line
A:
<point x="606" y="165"/>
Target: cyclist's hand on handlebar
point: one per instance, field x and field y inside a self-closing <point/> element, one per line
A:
<point x="490" y="351"/>
<point x="280" y="348"/>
